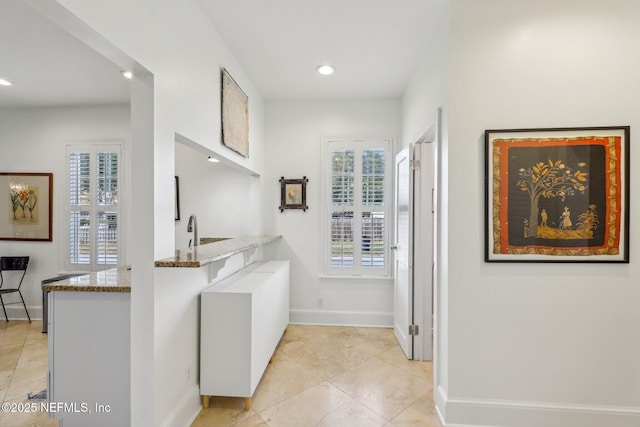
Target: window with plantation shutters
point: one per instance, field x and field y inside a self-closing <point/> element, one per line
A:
<point x="357" y="207"/>
<point x="93" y="206"/>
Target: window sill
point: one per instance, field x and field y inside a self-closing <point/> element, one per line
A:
<point x="370" y="278"/>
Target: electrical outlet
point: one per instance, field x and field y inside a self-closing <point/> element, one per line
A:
<point x="188" y="374"/>
<point x="320" y="302"/>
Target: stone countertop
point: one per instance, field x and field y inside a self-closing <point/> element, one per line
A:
<point x="205" y="254"/>
<point x="113" y="280"/>
<point x="207" y="240"/>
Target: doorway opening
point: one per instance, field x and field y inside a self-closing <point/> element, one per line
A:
<point x="414" y="266"/>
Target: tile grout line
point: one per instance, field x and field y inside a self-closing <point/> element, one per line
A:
<point x="13" y="371"/>
<point x="334" y="410"/>
<point x="301" y="345"/>
<point x="430" y="387"/>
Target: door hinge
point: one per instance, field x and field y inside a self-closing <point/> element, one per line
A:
<point x="433" y="200"/>
<point x="413" y="330"/>
<point x="414" y="165"/>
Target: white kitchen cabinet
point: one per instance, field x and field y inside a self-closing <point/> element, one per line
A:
<point x="89" y="346"/>
<point x="242" y="320"/>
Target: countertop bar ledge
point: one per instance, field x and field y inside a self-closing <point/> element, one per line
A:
<point x="204" y="254"/>
<point x="112" y="280"/>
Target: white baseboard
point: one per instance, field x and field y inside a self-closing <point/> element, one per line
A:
<point x="341" y="318"/>
<point x="186" y="410"/>
<point x="16" y="312"/>
<point x="461" y="412"/>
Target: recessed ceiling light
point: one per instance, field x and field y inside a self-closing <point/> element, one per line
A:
<point x="325" y="70"/>
<point x="4" y="82"/>
<point x="127" y="74"/>
<point x="213" y="159"/>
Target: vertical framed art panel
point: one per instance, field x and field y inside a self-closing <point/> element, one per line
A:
<point x="26" y="207"/>
<point x="235" y="116"/>
<point x="557" y="195"/>
<point x="177" y="199"/>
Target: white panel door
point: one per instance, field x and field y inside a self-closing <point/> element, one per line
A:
<point x="403" y="286"/>
<point x="422" y="260"/>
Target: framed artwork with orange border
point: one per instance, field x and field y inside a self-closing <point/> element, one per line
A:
<point x="557" y="195"/>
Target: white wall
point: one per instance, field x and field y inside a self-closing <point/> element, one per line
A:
<point x="34" y="140"/>
<point x="173" y="41"/>
<point x="428" y="92"/>
<point x="539" y="344"/>
<point x="185" y="54"/>
<point x="293" y="149"/>
<point x="220" y="196"/>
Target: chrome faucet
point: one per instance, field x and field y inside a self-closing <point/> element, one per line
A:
<point x="192" y="226"/>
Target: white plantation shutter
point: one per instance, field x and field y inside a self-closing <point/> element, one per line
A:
<point x="79" y="178"/>
<point x="373" y="167"/>
<point x="342" y="177"/>
<point x="357" y="207"/>
<point x="107" y="202"/>
<point x="107" y="238"/>
<point x="373" y="205"/>
<point x="342" y="199"/>
<point x="373" y="238"/>
<point x="79" y="238"/>
<point x="107" y="178"/>
<point x="93" y="208"/>
<point x="342" y="239"/>
<point x="79" y="168"/>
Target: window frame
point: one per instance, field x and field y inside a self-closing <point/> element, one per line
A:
<point x="358" y="145"/>
<point x="93" y="207"/>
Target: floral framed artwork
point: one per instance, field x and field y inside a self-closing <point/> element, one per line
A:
<point x="26" y="207"/>
<point x="293" y="194"/>
<point x="235" y="116"/>
<point x="557" y="195"/>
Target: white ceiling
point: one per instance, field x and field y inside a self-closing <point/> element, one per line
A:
<point x="375" y="46"/>
<point x="49" y="67"/>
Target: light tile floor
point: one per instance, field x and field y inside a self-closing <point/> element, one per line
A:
<point x="334" y="376"/>
<point x="23" y="369"/>
<point x="320" y="376"/>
